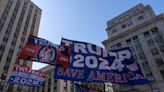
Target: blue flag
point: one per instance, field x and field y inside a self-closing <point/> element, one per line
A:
<point x="91" y="63"/>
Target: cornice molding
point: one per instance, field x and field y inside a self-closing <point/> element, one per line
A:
<point x="134" y="29"/>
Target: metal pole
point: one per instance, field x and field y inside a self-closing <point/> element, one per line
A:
<point x="104" y="86"/>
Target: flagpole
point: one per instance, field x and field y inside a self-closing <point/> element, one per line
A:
<point x="104" y="86"/>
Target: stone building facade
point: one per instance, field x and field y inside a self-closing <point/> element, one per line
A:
<point x="18" y="19"/>
<point x="143" y="31"/>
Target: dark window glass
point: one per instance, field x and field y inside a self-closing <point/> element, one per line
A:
<point x="33" y="21"/>
<point x="155" y="30"/>
<point x="5" y="13"/>
<point x="159" y="39"/>
<point x="10" y="25"/>
<point x="150" y="76"/>
<point x="150" y="42"/>
<point x="159" y="62"/>
<point x="6" y="67"/>
<point x="37" y="89"/>
<point x="123" y="26"/>
<point x="128" y="42"/>
<point x="14" y="42"/>
<point x="8" y="59"/>
<point x="135" y="40"/>
<point x="113" y="47"/>
<point x="16" y="61"/>
<point x="16" y="34"/>
<point x="146" y="66"/>
<point x="43" y="89"/>
<point x="154" y="51"/>
<point x="4" y="75"/>
<point x="141" y="55"/>
<point x="135" y="58"/>
<point x="118" y="45"/>
<point x="114" y="30"/>
<point x="139" y="48"/>
<point x="132" y="49"/>
<point x="137" y="45"/>
<point x="162" y="73"/>
<point x="146" y="34"/>
<point x="2" y="50"/>
<point x="10" y="88"/>
<point x="49" y="84"/>
<point x="161" y="48"/>
<point x="129" y="23"/>
<point x="28" y="20"/>
<point x="19" y="88"/>
<point x="5" y="39"/>
<point x="140" y="17"/>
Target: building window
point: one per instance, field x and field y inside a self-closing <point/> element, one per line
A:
<point x="150" y="42"/>
<point x="139" y="48"/>
<point x="33" y="21"/>
<point x="161" y="48"/>
<point x="118" y="45"/>
<point x="129" y="23"/>
<point x="154" y="51"/>
<point x="6" y="67"/>
<point x="150" y="76"/>
<point x="141" y="55"/>
<point x="10" y="25"/>
<point x="16" y="62"/>
<point x="2" y="48"/>
<point x="114" y="30"/>
<point x="146" y="34"/>
<point x="140" y="17"/>
<point x="10" y="88"/>
<point x="159" y="62"/>
<point x="136" y="40"/>
<point x="5" y="13"/>
<point x="146" y="66"/>
<point x="1" y="86"/>
<point x="162" y="73"/>
<point x="155" y="30"/>
<point x="132" y="49"/>
<point x="159" y="39"/>
<point x="4" y="75"/>
<point x="49" y="84"/>
<point x="14" y="42"/>
<point x="128" y="41"/>
<point x="135" y="58"/>
<point x="27" y="20"/>
<point x="5" y="39"/>
<point x="16" y="34"/>
<point x="113" y="47"/>
<point x="55" y="85"/>
<point x="123" y="26"/>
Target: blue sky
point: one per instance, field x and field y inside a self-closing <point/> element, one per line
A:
<point x="83" y="20"/>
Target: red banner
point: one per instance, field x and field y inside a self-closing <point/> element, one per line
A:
<point x="41" y="50"/>
<point x="63" y="59"/>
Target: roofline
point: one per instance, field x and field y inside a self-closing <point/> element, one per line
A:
<point x="135" y="28"/>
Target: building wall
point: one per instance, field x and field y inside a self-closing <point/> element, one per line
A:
<point x="19" y="18"/>
<point x="53" y="85"/>
<point x="146" y="41"/>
